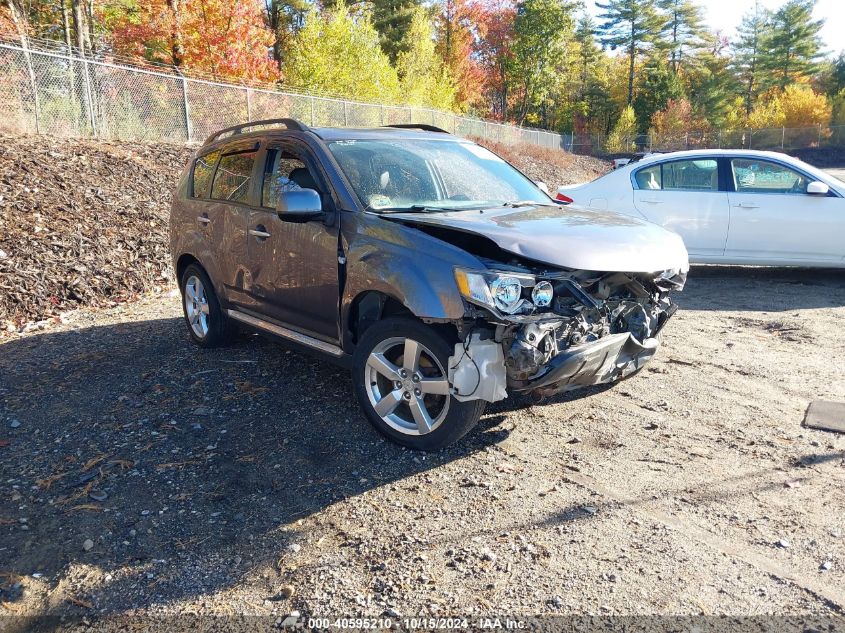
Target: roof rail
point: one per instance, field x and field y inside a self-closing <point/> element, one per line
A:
<point x="418" y="126"/>
<point x="290" y="124"/>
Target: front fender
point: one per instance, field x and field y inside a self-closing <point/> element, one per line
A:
<point x="406" y="264"/>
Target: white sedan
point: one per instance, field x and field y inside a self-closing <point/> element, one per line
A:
<point x="730" y="206"/>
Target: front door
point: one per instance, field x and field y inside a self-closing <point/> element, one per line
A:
<point x="774" y="220"/>
<point x="684" y="196"/>
<point x="293" y="265"/>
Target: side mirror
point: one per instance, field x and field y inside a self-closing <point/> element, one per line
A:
<point x="817" y="188"/>
<point x="543" y="187"/>
<point x="301" y="204"/>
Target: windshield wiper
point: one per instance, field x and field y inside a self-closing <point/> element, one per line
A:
<point x="528" y="203"/>
<point x="416" y="208"/>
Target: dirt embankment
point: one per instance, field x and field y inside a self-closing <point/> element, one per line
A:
<point x="82" y="223"/>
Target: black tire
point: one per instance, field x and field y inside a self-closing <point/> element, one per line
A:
<point x="460" y="417"/>
<point x="220" y="328"/>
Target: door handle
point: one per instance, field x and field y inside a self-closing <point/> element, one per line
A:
<point x="259" y="233"/>
<point x="747" y="205"/>
<point x="652" y="201"/>
<point x="203" y="219"/>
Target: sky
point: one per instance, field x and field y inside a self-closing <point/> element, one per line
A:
<point x="725" y="15"/>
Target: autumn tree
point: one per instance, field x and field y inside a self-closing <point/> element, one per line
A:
<point x="494" y="51"/>
<point x="658" y="86"/>
<point x="456" y="22"/>
<point x="424" y="79"/>
<point x="337" y="54"/>
<point x="633" y="25"/>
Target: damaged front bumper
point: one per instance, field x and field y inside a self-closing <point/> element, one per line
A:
<point x="606" y="360"/>
<point x="607" y="332"/>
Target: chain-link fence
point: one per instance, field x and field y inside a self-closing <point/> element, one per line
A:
<point x="62" y="93"/>
<point x="778" y="139"/>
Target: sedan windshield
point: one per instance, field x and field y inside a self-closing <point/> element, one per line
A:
<point x="396" y="175"/>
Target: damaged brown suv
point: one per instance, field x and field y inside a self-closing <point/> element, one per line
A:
<point x="438" y="273"/>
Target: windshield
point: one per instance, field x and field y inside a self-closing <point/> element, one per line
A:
<point x="430" y="175"/>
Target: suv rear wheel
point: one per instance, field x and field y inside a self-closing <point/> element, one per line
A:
<point x="207" y="325"/>
<point x="400" y="377"/>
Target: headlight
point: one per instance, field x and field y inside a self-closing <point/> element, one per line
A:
<point x="501" y="291"/>
<point x="542" y="294"/>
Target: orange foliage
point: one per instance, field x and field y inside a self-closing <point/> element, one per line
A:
<point x="226" y="38"/>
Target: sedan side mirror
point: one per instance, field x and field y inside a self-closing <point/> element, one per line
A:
<point x="817" y="188"/>
<point x="301" y="204"/>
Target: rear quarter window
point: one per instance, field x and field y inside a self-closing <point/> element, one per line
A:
<point x="203" y="169"/>
<point x="233" y="176"/>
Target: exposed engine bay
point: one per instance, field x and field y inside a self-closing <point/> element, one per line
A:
<point x="567" y="328"/>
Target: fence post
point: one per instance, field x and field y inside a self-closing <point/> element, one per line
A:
<point x="89" y="95"/>
<point x="410" y="115"/>
<point x="381" y="114"/>
<point x="345" y="113"/>
<point x="312" y="110"/>
<point x="36" y="102"/>
<point x="189" y="132"/>
<point x="248" y="103"/>
<point x="782" y="137"/>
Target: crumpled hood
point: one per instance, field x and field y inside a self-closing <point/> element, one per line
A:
<point x="570" y="237"/>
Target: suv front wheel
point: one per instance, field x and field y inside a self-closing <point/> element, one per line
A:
<point x="400" y="375"/>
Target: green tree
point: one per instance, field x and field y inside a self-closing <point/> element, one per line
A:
<point x="749" y="49"/>
<point x="542" y="29"/>
<point x="658" y="86"/>
<point x="423" y="78"/>
<point x="683" y="30"/>
<point x="792" y="47"/>
<point x="588" y="51"/>
<point x="712" y="87"/>
<point x="392" y="19"/>
<point x="632" y="24"/>
<point x="337" y="54"/>
<point x="623" y="135"/>
<point x="284" y="18"/>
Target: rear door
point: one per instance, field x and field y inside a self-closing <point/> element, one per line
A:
<point x="774" y="219"/>
<point x="685" y="196"/>
<point x="232" y="192"/>
<point x="293" y="265"/>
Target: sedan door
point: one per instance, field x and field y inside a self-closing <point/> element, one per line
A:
<point x="685" y="196"/>
<point x="775" y="221"/>
<point x="293" y="265"/>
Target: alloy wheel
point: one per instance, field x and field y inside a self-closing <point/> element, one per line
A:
<point x="407" y="386"/>
<point x="196" y="306"/>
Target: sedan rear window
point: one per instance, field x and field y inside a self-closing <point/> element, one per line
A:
<point x="680" y="175"/>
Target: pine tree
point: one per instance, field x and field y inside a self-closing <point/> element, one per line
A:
<point x="793" y="46"/>
<point x="284" y="18"/>
<point x="753" y="33"/>
<point x="588" y="50"/>
<point x="682" y="31"/>
<point x="658" y="86"/>
<point x="392" y="19"/>
<point x="632" y="24"/>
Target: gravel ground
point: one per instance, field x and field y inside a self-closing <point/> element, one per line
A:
<point x="140" y="475"/>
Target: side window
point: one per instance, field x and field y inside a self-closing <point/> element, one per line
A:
<point x="691" y="175"/>
<point x="232" y="179"/>
<point x="284" y="171"/>
<point x="649" y="178"/>
<point x="203" y="169"/>
<point x="760" y="176"/>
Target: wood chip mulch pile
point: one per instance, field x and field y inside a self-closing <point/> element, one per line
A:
<point x="82" y="223"/>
